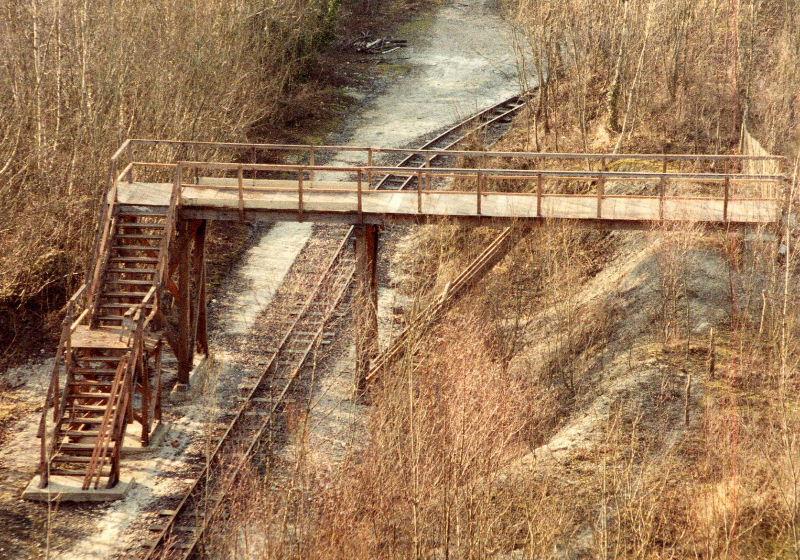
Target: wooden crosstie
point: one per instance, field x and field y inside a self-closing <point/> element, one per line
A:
<point x="147" y="284"/>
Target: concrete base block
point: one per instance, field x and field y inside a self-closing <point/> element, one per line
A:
<point x="181" y="392"/>
<point x="68" y="489"/>
<point x="132" y="445"/>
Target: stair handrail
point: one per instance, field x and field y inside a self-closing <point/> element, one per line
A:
<point x="53" y="398"/>
<point x="103" y="235"/>
<point x="104" y="432"/>
<point x="170" y="226"/>
<point x="134" y="323"/>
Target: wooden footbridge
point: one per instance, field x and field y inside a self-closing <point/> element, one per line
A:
<point x="146" y="287"/>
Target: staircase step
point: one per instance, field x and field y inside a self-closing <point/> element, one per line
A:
<point x="128" y="282"/>
<point x="132" y="213"/>
<point x="70" y="459"/>
<point x="91" y="383"/>
<point x="131" y="271"/>
<point x="122" y="305"/>
<point x="79" y="433"/>
<point x="94" y="420"/>
<point x="101" y="358"/>
<point x="67" y="472"/>
<point x="88" y="396"/>
<point x="143" y="260"/>
<point x="138" y="295"/>
<point x="138" y="225"/>
<point x="142" y="236"/>
<point x="136" y="247"/>
<point x="92" y="371"/>
<point x="86" y="408"/>
<point x="109" y="318"/>
<point x="81" y="447"/>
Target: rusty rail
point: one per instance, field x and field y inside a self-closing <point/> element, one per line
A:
<point x="161" y="547"/>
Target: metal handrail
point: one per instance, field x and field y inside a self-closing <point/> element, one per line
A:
<point x="53" y="398"/>
<point x="464" y="153"/>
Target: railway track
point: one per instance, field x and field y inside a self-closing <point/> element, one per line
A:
<point x="182" y="534"/>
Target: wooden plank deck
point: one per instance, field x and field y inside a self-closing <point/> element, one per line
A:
<point x="272" y="201"/>
<point x="100" y="337"/>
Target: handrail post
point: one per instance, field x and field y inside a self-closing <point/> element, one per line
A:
<point x="240" y="181"/>
<point x="601" y="189"/>
<point x="300" y="194"/>
<point x="360" y="207"/>
<point x="725" y="200"/>
<point x="478" y="190"/>
<point x="419" y="192"/>
<point x="131" y="158"/>
<point x="428" y="178"/>
<point x="178" y="182"/>
<point x="539" y="188"/>
<point x="370" y="158"/>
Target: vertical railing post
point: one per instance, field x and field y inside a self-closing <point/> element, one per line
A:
<point x="601" y="189"/>
<point x="131" y="158"/>
<point x="370" y="158"/>
<point x="178" y="183"/>
<point x="419" y="192"/>
<point x="725" y="200"/>
<point x="240" y="182"/>
<point x="478" y="190"/>
<point x="662" y="188"/>
<point x="539" y="189"/>
<point x="360" y="207"/>
<point x="300" y="177"/>
<point x="428" y="176"/>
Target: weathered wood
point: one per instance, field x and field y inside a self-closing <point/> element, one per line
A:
<point x="198" y="280"/>
<point x="366" y="306"/>
<point x="183" y="350"/>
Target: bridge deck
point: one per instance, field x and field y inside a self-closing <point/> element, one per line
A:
<point x="280" y="200"/>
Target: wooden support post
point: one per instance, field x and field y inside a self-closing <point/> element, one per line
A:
<point x="198" y="286"/>
<point x="183" y="352"/>
<point x="662" y="191"/>
<point x="366" y="310"/>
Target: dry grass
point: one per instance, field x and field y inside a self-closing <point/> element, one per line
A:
<point x="539" y="422"/>
<point x="77" y="79"/>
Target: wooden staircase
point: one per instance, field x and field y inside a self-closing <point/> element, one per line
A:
<point x="111" y="354"/>
<point x="131" y="267"/>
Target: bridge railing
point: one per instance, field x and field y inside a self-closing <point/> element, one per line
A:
<point x="225" y="182"/>
<point x="151" y="154"/>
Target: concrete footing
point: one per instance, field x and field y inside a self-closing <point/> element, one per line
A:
<point x="132" y="444"/>
<point x="181" y="392"/>
<point x="68" y="489"/>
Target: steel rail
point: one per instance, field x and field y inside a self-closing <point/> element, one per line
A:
<point x="162" y="546"/>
